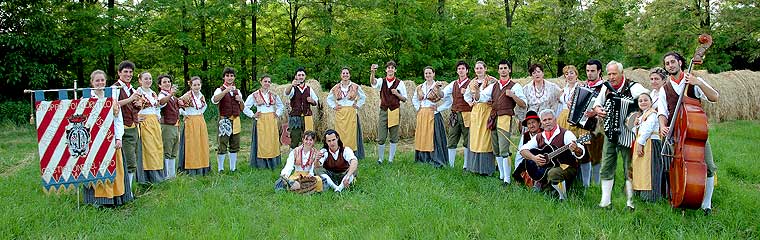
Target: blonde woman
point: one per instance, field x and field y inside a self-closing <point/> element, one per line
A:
<point x="150" y="161"/>
<point x="265" y="140"/>
<point x="481" y="158"/>
<point x="430" y="133"/>
<point x="346" y="98"/>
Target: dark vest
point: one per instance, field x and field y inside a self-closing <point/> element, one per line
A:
<point x="502" y="104"/>
<point x="228" y="106"/>
<point x="170" y="112"/>
<point x="129" y="111"/>
<point x="459" y="105"/>
<point x="626" y="91"/>
<point x="388" y="101"/>
<point x="672" y="97"/>
<point x="339" y="165"/>
<point x="298" y="104"/>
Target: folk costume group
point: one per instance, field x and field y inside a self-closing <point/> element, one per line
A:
<point x="153" y="143"/>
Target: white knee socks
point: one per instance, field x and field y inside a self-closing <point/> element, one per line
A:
<point x="506" y="169"/>
<point x="220" y="162"/>
<point x="629" y="193"/>
<point x="586" y="174"/>
<point x="452" y="156"/>
<point x="465" y="158"/>
<point x="500" y="165"/>
<point x="595" y="172"/>
<point x="606" y="193"/>
<point x="709" y="187"/>
<point x="380" y="152"/>
<point x="560" y="187"/>
<point x="392" y="152"/>
<point x="233" y="161"/>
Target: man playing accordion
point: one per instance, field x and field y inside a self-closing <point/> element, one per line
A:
<point x="615" y="102"/>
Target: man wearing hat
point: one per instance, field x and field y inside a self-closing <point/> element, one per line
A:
<point x="531" y="127"/>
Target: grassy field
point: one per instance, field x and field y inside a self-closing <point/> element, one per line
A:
<point x="403" y="200"/>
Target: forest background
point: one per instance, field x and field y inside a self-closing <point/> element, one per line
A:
<point x="48" y="44"/>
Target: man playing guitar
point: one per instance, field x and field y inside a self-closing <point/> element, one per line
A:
<point x="565" y="167"/>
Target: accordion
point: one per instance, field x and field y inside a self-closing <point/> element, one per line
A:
<point x="618" y="108"/>
<point x="583" y="100"/>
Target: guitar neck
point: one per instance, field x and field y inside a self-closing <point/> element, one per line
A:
<point x="558" y="151"/>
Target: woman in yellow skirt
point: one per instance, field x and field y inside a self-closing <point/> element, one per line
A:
<point x="570" y="73"/>
<point x="481" y="159"/>
<point x="119" y="191"/>
<point x="193" y="149"/>
<point x="265" y="139"/>
<point x="346" y="98"/>
<point x="647" y="164"/>
<point x="430" y="133"/>
<point x="302" y="161"/>
<point x="150" y="157"/>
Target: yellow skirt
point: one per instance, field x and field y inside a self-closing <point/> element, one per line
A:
<point x="642" y="167"/>
<point x="152" y="144"/>
<point x="297" y="174"/>
<point x="115" y="188"/>
<point x="196" y="142"/>
<point x="267" y="140"/>
<point x="480" y="136"/>
<point x="308" y="123"/>
<point x="423" y="134"/>
<point x="345" y="125"/>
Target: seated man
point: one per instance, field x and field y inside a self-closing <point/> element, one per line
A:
<point x="533" y="125"/>
<point x="298" y="172"/>
<point x="567" y="166"/>
<point x="338" y="162"/>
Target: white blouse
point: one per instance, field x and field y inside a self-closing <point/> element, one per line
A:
<point x="648" y="128"/>
<point x="445" y="102"/>
<point x="290" y="163"/>
<point x="196" y="106"/>
<point x="266" y="107"/>
<point x="152" y="98"/>
<point x="361" y="98"/>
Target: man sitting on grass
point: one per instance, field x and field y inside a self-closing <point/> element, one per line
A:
<point x="338" y="162"/>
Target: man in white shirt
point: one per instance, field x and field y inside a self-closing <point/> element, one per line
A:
<point x="338" y="162"/>
<point x="392" y="93"/>
<point x="698" y="88"/>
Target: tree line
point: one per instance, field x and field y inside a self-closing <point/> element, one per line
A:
<point x="49" y="44"/>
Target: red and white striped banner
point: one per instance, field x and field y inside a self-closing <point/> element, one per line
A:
<point x="76" y="142"/>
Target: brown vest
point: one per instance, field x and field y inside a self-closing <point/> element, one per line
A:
<point x="388" y="101"/>
<point x="459" y="105"/>
<point x="170" y="112"/>
<point x="129" y="111"/>
<point x="298" y="104"/>
<point x="672" y="97"/>
<point x="502" y="104"/>
<point x="228" y="106"/>
<point x="339" y="165"/>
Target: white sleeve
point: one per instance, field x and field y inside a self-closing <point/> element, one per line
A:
<point x="118" y="125"/>
<point x="216" y="92"/>
<point x="249" y="102"/>
<point x="570" y="137"/>
<point x="331" y="100"/>
<point x="289" y="165"/>
<point x="324" y="156"/>
<point x="402" y="89"/>
<point x="468" y="95"/>
<point x="518" y="89"/>
<point x="646" y="129"/>
<point x="378" y="83"/>
<point x="279" y="106"/>
<point x="446" y="103"/>
<point x="313" y="95"/>
<point x="530" y="144"/>
<point x="292" y="91"/>
<point x="662" y="109"/>
<point x="485" y="94"/>
<point x="601" y="98"/>
<point x="415" y="102"/>
<point x="362" y="96"/>
<point x="348" y="154"/>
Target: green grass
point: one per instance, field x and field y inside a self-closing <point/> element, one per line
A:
<point x="403" y="200"/>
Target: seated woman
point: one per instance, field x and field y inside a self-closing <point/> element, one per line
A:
<point x="338" y="161"/>
<point x="301" y="163"/>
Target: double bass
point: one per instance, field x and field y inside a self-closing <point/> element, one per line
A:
<point x="685" y="143"/>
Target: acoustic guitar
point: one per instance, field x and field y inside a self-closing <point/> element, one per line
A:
<point x="552" y="156"/>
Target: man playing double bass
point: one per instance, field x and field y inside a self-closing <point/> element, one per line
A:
<point x="669" y="94"/>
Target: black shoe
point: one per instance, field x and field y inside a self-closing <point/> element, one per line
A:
<point x="707" y="211"/>
<point x="505" y="184"/>
<point x="380" y="162"/>
<point x="630" y="209"/>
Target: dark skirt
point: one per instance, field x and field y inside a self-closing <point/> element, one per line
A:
<point x="181" y="159"/>
<point x="481" y="163"/>
<point x="359" y="151"/>
<point x="89" y="194"/>
<point x="255" y="162"/>
<point x="659" y="176"/>
<point x="147" y="176"/>
<point x="440" y="155"/>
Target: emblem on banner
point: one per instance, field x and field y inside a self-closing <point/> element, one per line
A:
<point x="78" y="136"/>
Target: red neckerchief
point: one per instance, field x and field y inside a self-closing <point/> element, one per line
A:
<point x="390" y="81"/>
<point x="192" y="98"/>
<point x="617" y="87"/>
<point x="165" y="92"/>
<point x="594" y="83"/>
<point x="503" y="82"/>
<point x="680" y="77"/>
<point x="462" y="83"/>
<point x="302" y="87"/>
<point x="127" y="86"/>
<point x="548" y="134"/>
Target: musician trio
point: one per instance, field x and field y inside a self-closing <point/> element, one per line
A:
<point x="566" y="133"/>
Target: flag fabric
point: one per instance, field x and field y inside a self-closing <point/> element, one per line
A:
<point x="76" y="139"/>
